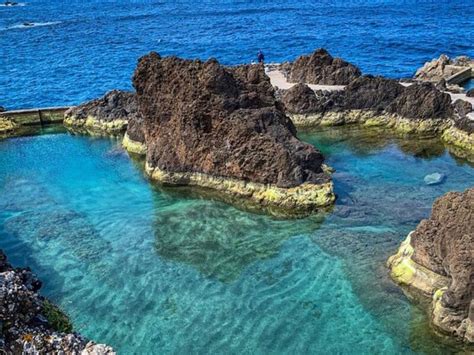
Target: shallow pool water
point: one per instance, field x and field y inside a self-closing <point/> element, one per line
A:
<point x="148" y="270"/>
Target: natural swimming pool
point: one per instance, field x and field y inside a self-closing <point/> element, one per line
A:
<point x="150" y="270"/>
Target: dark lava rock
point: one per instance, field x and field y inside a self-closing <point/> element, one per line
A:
<point x="300" y="98"/>
<point x="462" y="107"/>
<point x="464" y="124"/>
<point x="417" y="101"/>
<point x="444" y="244"/>
<point x="204" y="117"/>
<point x="470" y="93"/>
<point x="321" y="68"/>
<point x="422" y="101"/>
<point x="135" y="128"/>
<point x="113" y="105"/>
<point x="30" y="324"/>
<point x="369" y="92"/>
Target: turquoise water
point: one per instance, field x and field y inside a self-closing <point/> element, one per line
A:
<point x="153" y="271"/>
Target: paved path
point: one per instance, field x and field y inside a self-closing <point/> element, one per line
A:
<point x="279" y="80"/>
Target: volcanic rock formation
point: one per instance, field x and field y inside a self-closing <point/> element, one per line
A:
<point x="109" y="114"/>
<point x="372" y="101"/>
<point x="30" y="323"/>
<point x="442" y="68"/>
<point x="377" y="101"/>
<point x="437" y="259"/>
<point x="321" y="68"/>
<point x="222" y="128"/>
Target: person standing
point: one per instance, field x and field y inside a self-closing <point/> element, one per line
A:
<point x="260" y="56"/>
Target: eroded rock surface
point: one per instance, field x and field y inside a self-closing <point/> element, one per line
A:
<point x="321" y="68"/>
<point x="30" y="323"/>
<point x="109" y="114"/>
<point x="442" y="68"/>
<point x="222" y="128"/>
<point x="374" y="101"/>
<point x="438" y="260"/>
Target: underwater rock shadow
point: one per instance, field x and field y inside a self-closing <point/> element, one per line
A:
<point x="37" y="219"/>
<point x="365" y="141"/>
<point x="221" y="241"/>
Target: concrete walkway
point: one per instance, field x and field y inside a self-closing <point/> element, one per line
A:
<point x="279" y="80"/>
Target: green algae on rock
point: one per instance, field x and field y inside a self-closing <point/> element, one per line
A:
<point x="294" y="200"/>
<point x="108" y="115"/>
<point x="133" y="146"/>
<point x="436" y="260"/>
<point x="7" y="126"/>
<point x="375" y="101"/>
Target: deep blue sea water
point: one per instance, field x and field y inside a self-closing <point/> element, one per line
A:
<point x="148" y="270"/>
<point x="81" y="49"/>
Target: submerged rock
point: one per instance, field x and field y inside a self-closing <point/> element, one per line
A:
<point x="109" y="114"/>
<point x="222" y="128"/>
<point x="30" y="323"/>
<point x="321" y="68"/>
<point x="434" y="179"/>
<point x="437" y="261"/>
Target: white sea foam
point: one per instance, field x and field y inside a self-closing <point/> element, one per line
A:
<point x="33" y="24"/>
<point x="17" y="4"/>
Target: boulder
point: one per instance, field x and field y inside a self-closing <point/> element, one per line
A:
<point x="433" y="70"/>
<point x="462" y="107"/>
<point x="222" y="128"/>
<point x="300" y="98"/>
<point x="470" y="93"/>
<point x="437" y="261"/>
<point x="434" y="179"/>
<point x="369" y="93"/>
<point x="109" y="114"/>
<point x="321" y="68"/>
<point x="422" y="101"/>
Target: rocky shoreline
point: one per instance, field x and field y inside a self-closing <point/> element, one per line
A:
<point x="30" y="324"/>
<point x="421" y="107"/>
<point x="436" y="261"/>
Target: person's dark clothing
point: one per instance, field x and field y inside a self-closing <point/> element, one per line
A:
<point x="260" y="57"/>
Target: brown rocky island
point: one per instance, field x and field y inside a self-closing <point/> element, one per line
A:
<point x="437" y="261"/>
<point x="222" y="128"/>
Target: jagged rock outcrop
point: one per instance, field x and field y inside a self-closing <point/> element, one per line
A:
<point x="442" y="68"/>
<point x="30" y="324"/>
<point x="377" y="101"/>
<point x="109" y="114"/>
<point x="422" y="101"/>
<point x="437" y="259"/>
<point x="462" y="108"/>
<point x="321" y="68"/>
<point x="372" y="101"/>
<point x="134" y="138"/>
<point x="302" y="99"/>
<point x="222" y="128"/>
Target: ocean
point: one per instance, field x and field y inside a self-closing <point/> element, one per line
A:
<point x="78" y="50"/>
